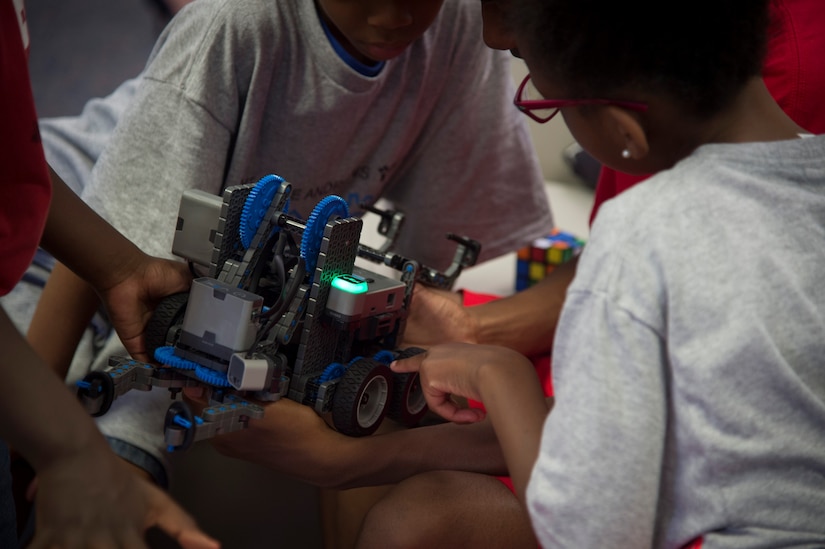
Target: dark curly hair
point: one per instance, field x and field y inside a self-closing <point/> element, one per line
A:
<point x="699" y="53"/>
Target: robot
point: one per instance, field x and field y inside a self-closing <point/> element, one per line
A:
<point x="281" y="310"/>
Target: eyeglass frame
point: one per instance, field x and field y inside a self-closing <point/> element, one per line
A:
<point x="526" y="106"/>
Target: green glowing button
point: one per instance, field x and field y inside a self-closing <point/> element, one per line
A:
<point x="350" y="283"/>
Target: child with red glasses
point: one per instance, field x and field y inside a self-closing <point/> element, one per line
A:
<point x="687" y="364"/>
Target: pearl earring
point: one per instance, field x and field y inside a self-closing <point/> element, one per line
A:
<point x="626" y="153"/>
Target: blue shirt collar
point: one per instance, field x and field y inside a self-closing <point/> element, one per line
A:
<point x="363" y="68"/>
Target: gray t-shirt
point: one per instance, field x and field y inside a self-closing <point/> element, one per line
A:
<point x="237" y="89"/>
<point x="689" y="363"/>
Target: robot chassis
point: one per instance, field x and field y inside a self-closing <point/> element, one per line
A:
<point x="273" y="318"/>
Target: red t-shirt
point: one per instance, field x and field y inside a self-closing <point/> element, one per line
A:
<point x="794" y="73"/>
<point x="25" y="188"/>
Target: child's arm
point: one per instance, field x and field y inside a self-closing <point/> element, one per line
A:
<point x="63" y="313"/>
<point x="293" y="439"/>
<point x="41" y="419"/>
<point x="129" y="281"/>
<point x="524" y="321"/>
<point x="71" y="458"/>
<point x="503" y="380"/>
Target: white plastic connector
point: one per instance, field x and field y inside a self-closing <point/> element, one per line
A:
<point x="249" y="374"/>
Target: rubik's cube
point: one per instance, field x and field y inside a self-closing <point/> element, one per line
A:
<point x="544" y="254"/>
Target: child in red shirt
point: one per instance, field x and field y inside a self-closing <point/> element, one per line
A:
<point x="85" y="495"/>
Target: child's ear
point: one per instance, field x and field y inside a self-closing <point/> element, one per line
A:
<point x="627" y="132"/>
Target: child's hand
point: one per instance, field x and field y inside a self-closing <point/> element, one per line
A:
<point x="131" y="301"/>
<point x="293" y="439"/>
<point x="93" y="500"/>
<point x="437" y="316"/>
<point x="463" y="370"/>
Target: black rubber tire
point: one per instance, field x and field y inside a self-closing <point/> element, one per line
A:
<point x="166" y="320"/>
<point x="103" y="388"/>
<point x="407" y="405"/>
<point x="362" y="397"/>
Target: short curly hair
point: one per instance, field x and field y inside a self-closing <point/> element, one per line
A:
<point x="699" y="53"/>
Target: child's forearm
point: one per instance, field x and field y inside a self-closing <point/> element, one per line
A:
<point x="447" y="446"/>
<point x="63" y="313"/>
<point x="85" y="242"/>
<point x="292" y="439"/>
<point x="517" y="408"/>
<point x="526" y="321"/>
<point x="57" y="426"/>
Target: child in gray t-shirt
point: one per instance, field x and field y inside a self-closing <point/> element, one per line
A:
<point x="688" y="360"/>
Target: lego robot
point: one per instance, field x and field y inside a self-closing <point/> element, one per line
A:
<point x="280" y="311"/>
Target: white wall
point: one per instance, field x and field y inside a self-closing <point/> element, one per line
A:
<point x="570" y="201"/>
<point x="550" y="139"/>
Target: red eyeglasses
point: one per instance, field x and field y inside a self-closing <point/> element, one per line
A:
<point x="529" y="101"/>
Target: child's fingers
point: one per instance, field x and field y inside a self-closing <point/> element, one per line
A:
<point x="412" y="364"/>
<point x="195" y="539"/>
<point x="176" y="522"/>
<point x="448" y="409"/>
<point x="194" y="392"/>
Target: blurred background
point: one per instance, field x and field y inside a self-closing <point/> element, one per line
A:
<point x="84" y="48"/>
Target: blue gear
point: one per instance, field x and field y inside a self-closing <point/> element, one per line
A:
<point x="384" y="357"/>
<point x="314" y="231"/>
<point x="166" y="355"/>
<point x="256" y="205"/>
<point x="333" y="371"/>
<point x="210" y="376"/>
